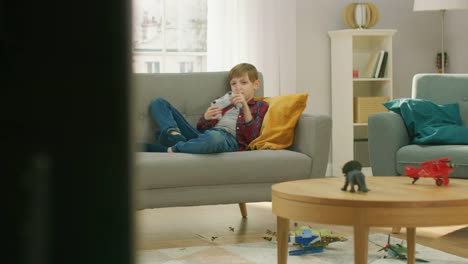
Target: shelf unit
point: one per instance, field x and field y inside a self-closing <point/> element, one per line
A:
<point x="352" y="49"/>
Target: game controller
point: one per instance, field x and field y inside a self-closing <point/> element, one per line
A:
<point x="224" y="102"/>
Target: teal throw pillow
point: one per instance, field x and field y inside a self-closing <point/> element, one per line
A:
<point x="464" y="112"/>
<point x="430" y="123"/>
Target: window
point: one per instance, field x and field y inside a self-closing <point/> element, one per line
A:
<point x="152" y="67"/>
<point x="169" y="36"/>
<point x="186" y="66"/>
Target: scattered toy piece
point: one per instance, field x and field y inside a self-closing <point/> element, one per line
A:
<point x="311" y="241"/>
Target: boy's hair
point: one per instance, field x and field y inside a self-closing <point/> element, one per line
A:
<point x="243" y="68"/>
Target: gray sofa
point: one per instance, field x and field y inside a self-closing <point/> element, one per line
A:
<point x="179" y="179"/>
<point x="389" y="144"/>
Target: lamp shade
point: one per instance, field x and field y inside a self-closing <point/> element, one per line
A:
<point x="427" y="5"/>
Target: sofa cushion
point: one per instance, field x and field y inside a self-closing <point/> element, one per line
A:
<point x="163" y="170"/>
<point x="463" y="105"/>
<point x="430" y="123"/>
<point x="278" y="126"/>
<point x="414" y="154"/>
<point x="443" y="89"/>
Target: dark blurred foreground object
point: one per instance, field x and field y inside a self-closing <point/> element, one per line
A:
<point x="64" y="70"/>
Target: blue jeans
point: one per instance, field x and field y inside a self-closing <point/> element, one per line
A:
<point x="210" y="141"/>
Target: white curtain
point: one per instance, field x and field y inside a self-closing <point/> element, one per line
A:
<point x="261" y="32"/>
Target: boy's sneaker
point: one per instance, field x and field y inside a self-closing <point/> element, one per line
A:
<point x="169" y="140"/>
<point x="155" y="148"/>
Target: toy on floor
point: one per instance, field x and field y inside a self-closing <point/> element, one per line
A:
<point x="310" y="242"/>
<point x="354" y="176"/>
<point x="438" y="169"/>
<point x="397" y="251"/>
<point x="303" y="240"/>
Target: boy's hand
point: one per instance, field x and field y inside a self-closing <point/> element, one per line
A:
<point x="212" y="113"/>
<point x="238" y="98"/>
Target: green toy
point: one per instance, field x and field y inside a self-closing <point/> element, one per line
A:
<point x="397" y="251"/>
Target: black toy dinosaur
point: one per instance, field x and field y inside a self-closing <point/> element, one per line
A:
<point x="354" y="176"/>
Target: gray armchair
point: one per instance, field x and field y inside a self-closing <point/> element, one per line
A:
<point x="390" y="148"/>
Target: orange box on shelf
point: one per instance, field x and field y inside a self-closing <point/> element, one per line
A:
<point x="364" y="106"/>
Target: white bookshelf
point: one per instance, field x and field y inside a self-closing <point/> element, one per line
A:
<point x="353" y="49"/>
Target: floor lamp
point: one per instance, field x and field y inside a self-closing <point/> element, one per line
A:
<point x="440" y="5"/>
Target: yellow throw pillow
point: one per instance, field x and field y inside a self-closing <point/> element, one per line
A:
<point x="277" y="130"/>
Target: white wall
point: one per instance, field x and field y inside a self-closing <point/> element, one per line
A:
<point x="415" y="44"/>
<point x="313" y="21"/>
<point x="456" y="40"/>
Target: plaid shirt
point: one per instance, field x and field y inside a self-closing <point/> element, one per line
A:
<point x="245" y="132"/>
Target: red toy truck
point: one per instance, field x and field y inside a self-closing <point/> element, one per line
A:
<point x="438" y="169"/>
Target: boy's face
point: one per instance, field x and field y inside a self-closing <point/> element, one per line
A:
<point x="243" y="85"/>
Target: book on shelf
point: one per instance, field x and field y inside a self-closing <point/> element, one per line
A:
<point x="376" y="65"/>
<point x="370" y="69"/>
<point x="383" y="66"/>
<point x="379" y="64"/>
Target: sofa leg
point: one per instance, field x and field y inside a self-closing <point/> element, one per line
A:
<point x="396" y="229"/>
<point x="243" y="210"/>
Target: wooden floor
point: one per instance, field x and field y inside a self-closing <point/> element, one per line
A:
<point x="223" y="224"/>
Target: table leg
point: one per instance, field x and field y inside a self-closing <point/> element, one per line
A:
<point x="396" y="229"/>
<point x="411" y="244"/>
<point x="361" y="240"/>
<point x="282" y="230"/>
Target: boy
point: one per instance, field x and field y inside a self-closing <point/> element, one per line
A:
<point x="237" y="127"/>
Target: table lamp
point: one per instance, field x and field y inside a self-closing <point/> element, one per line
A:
<point x="440" y="5"/>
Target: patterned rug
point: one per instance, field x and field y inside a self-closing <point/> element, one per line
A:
<point x="265" y="253"/>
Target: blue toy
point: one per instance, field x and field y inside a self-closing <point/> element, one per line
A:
<point x="304" y="240"/>
<point x="311" y="242"/>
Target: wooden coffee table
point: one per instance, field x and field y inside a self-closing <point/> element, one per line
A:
<point x="391" y="202"/>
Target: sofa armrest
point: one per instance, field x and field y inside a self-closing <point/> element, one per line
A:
<point x="387" y="134"/>
<point x="312" y="137"/>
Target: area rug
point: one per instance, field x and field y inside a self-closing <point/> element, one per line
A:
<point x="265" y="253"/>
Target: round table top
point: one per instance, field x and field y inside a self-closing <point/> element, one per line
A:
<point x="394" y="191"/>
